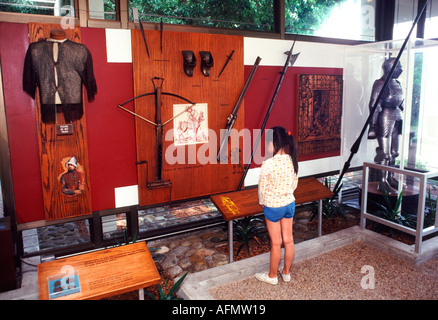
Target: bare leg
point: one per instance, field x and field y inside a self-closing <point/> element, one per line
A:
<point x="288" y="240"/>
<point x="274" y="229"/>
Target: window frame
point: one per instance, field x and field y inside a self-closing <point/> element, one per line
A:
<point x="82" y="19"/>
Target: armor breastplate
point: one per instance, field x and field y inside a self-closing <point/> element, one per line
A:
<point x="394" y="96"/>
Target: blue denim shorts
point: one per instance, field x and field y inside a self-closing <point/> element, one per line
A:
<point x="276" y="214"/>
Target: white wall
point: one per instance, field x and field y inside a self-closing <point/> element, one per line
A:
<point x="272" y="54"/>
<point x="315" y="55"/>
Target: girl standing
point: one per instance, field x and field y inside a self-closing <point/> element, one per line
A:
<point x="277" y="183"/>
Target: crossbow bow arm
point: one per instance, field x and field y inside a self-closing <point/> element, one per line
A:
<point x="151" y="93"/>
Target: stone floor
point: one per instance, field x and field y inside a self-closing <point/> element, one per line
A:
<point x="200" y="250"/>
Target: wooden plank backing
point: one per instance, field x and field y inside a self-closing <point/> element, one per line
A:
<point x="192" y="177"/>
<point x="56" y="150"/>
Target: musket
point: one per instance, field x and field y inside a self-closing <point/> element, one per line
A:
<point x="233" y="116"/>
<point x="291" y="58"/>
<point x="226" y="62"/>
<point x="356" y="144"/>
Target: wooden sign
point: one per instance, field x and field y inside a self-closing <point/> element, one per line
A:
<point x="99" y="274"/>
<point x="61" y="145"/>
<point x="244" y="203"/>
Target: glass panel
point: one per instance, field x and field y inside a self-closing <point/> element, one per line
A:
<point x="431" y="204"/>
<point x="431" y="25"/>
<point x="424" y="114"/>
<point x="348" y="19"/>
<point x="404" y="16"/>
<point x="102" y="9"/>
<point x="57" y="236"/>
<point x="405" y="13"/>
<point x="245" y="15"/>
<point x="417" y="142"/>
<point x="114" y="227"/>
<point x="46" y="7"/>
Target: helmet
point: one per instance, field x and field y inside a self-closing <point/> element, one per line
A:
<point x="73" y="162"/>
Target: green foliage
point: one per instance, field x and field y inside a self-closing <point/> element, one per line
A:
<point x="244" y="14"/>
<point x="305" y="16"/>
<point x="246" y="229"/>
<point x="330" y="206"/>
<point x="301" y="17"/>
<point x="165" y="294"/>
<point x="393" y="213"/>
<point x="125" y="238"/>
<point x="33" y="7"/>
<point x="430" y="210"/>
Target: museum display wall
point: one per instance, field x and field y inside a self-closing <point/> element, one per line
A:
<point x="111" y="132"/>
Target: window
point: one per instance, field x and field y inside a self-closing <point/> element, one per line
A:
<point x="244" y="15"/>
<point x="45" y="7"/>
<point x="424" y="114"/>
<point x="102" y="9"/>
<point x="405" y="13"/>
<point x="431" y="24"/>
<point x="347" y="19"/>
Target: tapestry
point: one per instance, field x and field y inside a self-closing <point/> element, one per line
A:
<point x="319" y="113"/>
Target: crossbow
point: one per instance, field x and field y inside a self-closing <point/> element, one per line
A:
<point x="159" y="182"/>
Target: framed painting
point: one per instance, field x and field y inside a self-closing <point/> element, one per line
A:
<point x="319" y="113"/>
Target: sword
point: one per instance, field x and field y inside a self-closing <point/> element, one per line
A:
<point x="161" y="35"/>
<point x="226" y="62"/>
<point x="136" y="18"/>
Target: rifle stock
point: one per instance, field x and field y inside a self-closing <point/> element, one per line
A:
<point x="233" y="116"/>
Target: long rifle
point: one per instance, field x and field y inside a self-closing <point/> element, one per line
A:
<point x="356" y="144"/>
<point x="233" y="116"/>
<point x="291" y="58"/>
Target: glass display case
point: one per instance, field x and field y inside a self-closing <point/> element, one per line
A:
<point x="419" y="134"/>
<point x="400" y="170"/>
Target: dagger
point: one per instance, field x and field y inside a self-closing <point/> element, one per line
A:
<point x="226" y="62"/>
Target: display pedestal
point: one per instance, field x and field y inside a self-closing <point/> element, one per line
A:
<point x="409" y="200"/>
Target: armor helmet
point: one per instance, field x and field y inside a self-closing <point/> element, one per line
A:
<point x="387" y="65"/>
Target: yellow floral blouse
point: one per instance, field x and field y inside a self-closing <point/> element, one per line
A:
<point x="277" y="181"/>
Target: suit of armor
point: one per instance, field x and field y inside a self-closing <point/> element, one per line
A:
<point x="386" y="124"/>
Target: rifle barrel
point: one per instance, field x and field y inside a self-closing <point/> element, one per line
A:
<point x="232" y="117"/>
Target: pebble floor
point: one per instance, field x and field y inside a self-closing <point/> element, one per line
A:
<point x="343" y="274"/>
<point x="199" y="250"/>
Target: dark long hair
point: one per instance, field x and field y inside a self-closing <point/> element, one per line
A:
<point x="283" y="139"/>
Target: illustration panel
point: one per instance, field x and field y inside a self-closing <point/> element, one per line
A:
<point x="71" y="179"/>
<point x="319" y="113"/>
<point x="191" y="126"/>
